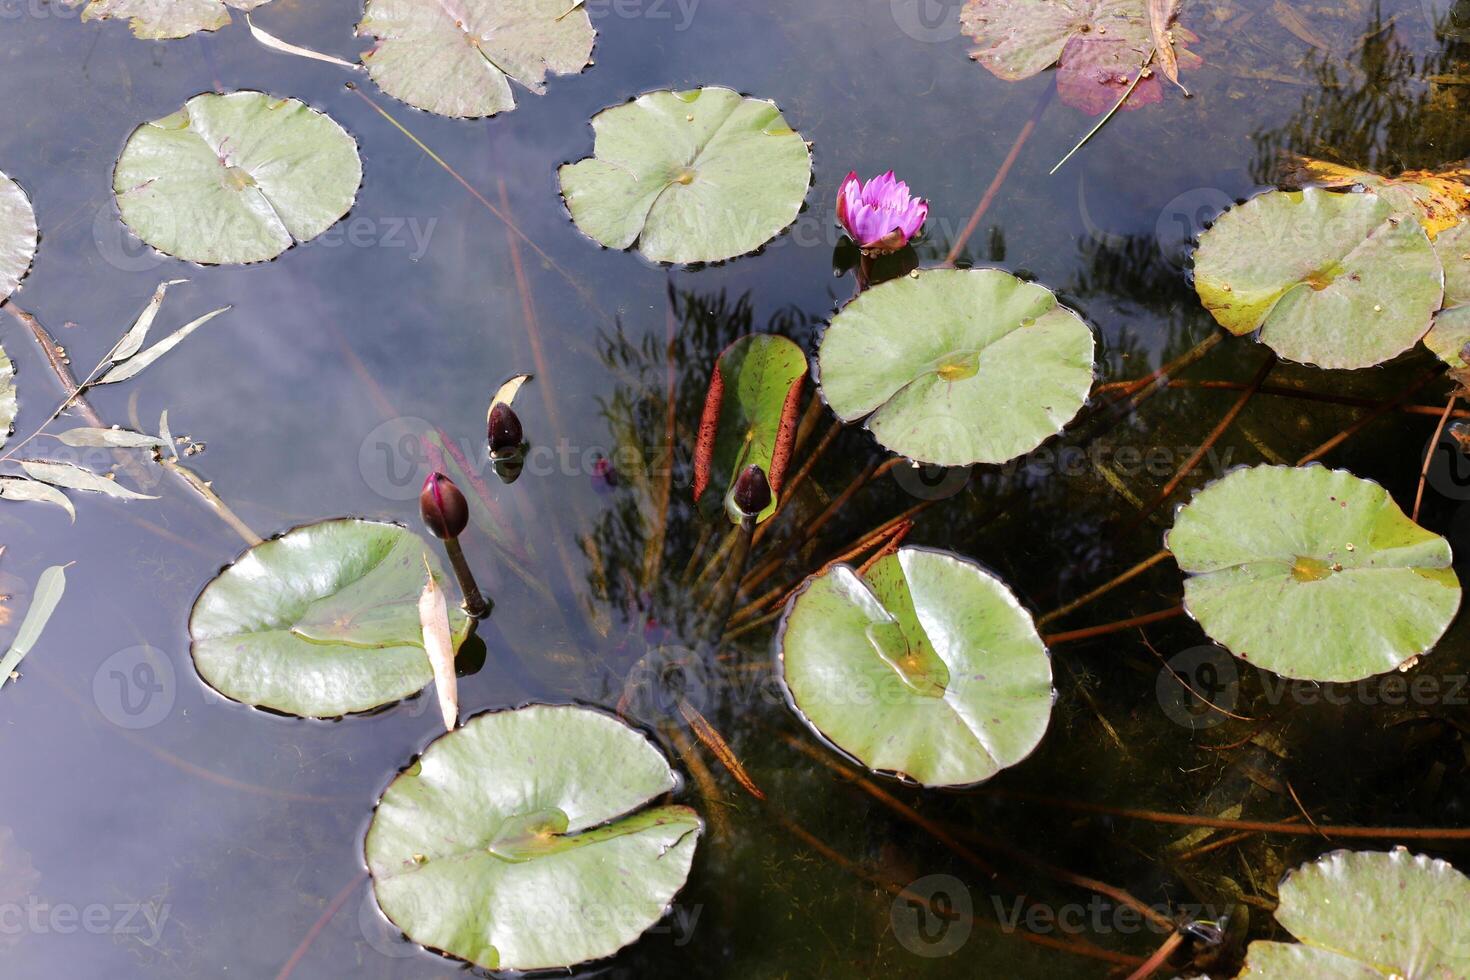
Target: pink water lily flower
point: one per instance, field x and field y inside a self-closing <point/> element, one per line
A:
<point x="881" y="215"/>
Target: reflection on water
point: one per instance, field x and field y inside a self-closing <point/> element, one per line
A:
<point x="148" y="828"/>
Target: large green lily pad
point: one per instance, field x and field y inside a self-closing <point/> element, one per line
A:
<point x="1333" y="279"/>
<point x="1312" y="573"/>
<point x="236" y="178"/>
<point x="1369" y="914"/>
<point x="320" y="622"/>
<point x="524" y="841"/>
<point x="18" y="235"/>
<point x="957" y="366"/>
<point x="458" y="57"/>
<point x="926" y="667"/>
<point x="165" y="19"/>
<point x="696" y="176"/>
<point x="749" y="418"/>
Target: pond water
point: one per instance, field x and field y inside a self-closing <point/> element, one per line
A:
<point x="156" y="829"/>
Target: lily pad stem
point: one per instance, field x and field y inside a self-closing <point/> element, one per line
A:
<point x="474" y="603"/>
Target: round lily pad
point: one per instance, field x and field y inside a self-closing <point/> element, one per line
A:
<point x="697" y="176"/>
<point x="236" y="178"/>
<point x="320" y="622"/>
<point x="1362" y="914"/>
<point x="1341" y="280"/>
<point x="17" y="235"/>
<point x="524" y="840"/>
<point x="458" y="59"/>
<point x="164" y="19"/>
<point x="957" y="366"/>
<point x="1312" y="573"/>
<point x="926" y="667"/>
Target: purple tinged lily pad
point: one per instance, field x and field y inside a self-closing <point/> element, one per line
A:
<point x="1097" y="46"/>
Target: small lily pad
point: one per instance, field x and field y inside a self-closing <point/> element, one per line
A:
<point x="1097" y="46"/>
<point x="957" y="366"/>
<point x="165" y="19"/>
<point x="1333" y="279"/>
<point x="1450" y="335"/>
<point x="697" y="176"/>
<point x="458" y="58"/>
<point x="18" y="235"/>
<point x="524" y="840"/>
<point x="1362" y="914"/>
<point x="236" y="178"/>
<point x="1312" y="573"/>
<point x="749" y="418"/>
<point x="319" y="622"/>
<point x="926" y="667"/>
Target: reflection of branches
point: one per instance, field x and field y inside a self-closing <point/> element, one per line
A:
<point x="1386" y="116"/>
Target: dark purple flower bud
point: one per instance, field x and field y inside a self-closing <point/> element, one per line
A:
<point x="505" y="430"/>
<point x="752" y="491"/>
<point x="443" y="507"/>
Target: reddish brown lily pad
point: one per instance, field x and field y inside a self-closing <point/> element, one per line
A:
<point x="1097" y="46"/>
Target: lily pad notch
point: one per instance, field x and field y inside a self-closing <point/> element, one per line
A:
<point x="236" y="178"/>
<point x="957" y="366"/>
<point x="702" y="175"/>
<point x="529" y="839"/>
<point x="321" y="621"/>
<point x="749" y="419"/>
<point x="925" y="667"/>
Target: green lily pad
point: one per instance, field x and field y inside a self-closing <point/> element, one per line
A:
<point x="1333" y="279"/>
<point x="1312" y="573"/>
<point x="1449" y="335"/>
<point x="165" y="19"/>
<point x="749" y="418"/>
<point x="957" y="366"/>
<point x="236" y="178"/>
<point x="18" y="235"/>
<point x="926" y="667"/>
<point x="1369" y="914"/>
<point x="458" y="58"/>
<point x="319" y="622"/>
<point x="1452" y="245"/>
<point x="523" y="841"/>
<point x="697" y="176"/>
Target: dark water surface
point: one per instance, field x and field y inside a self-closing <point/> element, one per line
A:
<point x="157" y="830"/>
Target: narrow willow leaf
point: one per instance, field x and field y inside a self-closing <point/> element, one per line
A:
<point x="19" y="488"/>
<point x="167" y="435"/>
<point x="132" y="341"/>
<point x="49" y="588"/>
<point x="87" y="436"/>
<point x="131" y="368"/>
<point x="9" y="404"/>
<point x="275" y="43"/>
<point x="439" y="645"/>
<point x="75" y="478"/>
<point x="507" y="392"/>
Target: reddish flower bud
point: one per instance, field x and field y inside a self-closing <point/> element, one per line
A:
<point x="443" y="507"/>
<point x="504" y="430"/>
<point x="752" y="491"/>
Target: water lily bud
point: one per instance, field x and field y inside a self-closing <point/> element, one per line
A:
<point x="443" y="507"/>
<point x="505" y="430"/>
<point x="881" y="215"/>
<point x="752" y="491"/>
